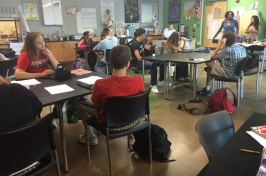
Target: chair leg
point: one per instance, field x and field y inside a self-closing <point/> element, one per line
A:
<point x="131" y="72"/>
<point x="57" y="164"/>
<point x="106" y="69"/>
<point x="257" y="83"/>
<point x="150" y="147"/>
<point x="238" y="91"/>
<point x="213" y="85"/>
<point x="88" y="144"/>
<point x="109" y="154"/>
<point x="222" y="84"/>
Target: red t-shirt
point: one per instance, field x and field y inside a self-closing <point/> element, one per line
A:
<point x="114" y="86"/>
<point x="26" y="64"/>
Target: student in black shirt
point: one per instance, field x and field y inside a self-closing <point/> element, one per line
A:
<point x="137" y="50"/>
<point x="18" y="105"/>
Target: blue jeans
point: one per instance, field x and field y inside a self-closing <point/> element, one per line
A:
<point x="153" y="66"/>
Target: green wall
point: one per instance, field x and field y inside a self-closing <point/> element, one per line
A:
<point x="230" y="4"/>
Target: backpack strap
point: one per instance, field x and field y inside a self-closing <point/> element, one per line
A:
<point x="235" y="100"/>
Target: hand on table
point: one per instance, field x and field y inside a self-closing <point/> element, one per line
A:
<point x="47" y="72"/>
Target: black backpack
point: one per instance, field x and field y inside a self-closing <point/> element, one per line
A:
<point x="160" y="143"/>
<point x="7" y="52"/>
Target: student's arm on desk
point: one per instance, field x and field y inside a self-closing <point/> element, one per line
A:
<point x="21" y="74"/>
<point x="51" y="57"/>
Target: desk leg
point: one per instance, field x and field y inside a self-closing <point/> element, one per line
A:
<point x="263" y="59"/>
<point x="168" y="79"/>
<point x="164" y="87"/>
<point x="86" y="59"/>
<point x="62" y="134"/>
<point x="143" y="73"/>
<point x="190" y="81"/>
<point x="195" y="71"/>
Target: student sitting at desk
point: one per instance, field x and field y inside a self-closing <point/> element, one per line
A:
<point x="103" y="34"/>
<point x="137" y="51"/>
<point x="18" y="105"/>
<point x="119" y="84"/>
<point x="107" y="43"/>
<point x="87" y="41"/>
<point x="231" y="53"/>
<point x="34" y="58"/>
<point x="173" y="44"/>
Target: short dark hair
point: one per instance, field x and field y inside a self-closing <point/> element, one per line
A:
<point x="140" y="31"/>
<point x="230" y="38"/>
<point x="105" y="33"/>
<point x="106" y="29"/>
<point x="170" y="24"/>
<point x="227" y="13"/>
<point x="120" y="56"/>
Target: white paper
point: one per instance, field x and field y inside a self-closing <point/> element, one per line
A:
<point x="16" y="47"/>
<point x="213" y="26"/>
<point x="59" y="89"/>
<point x="28" y="82"/>
<point x="258" y="138"/>
<point x="90" y="80"/>
<point x="86" y="20"/>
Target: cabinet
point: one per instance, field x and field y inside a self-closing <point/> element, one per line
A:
<point x="63" y="51"/>
<point x="10" y="30"/>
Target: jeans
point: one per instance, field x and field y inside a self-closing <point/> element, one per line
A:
<point x="153" y="66"/>
<point x="182" y="70"/>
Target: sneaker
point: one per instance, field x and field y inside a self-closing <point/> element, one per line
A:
<point x="161" y="83"/>
<point x="154" y="89"/>
<point x="92" y="141"/>
<point x="54" y="123"/>
<point x="204" y="92"/>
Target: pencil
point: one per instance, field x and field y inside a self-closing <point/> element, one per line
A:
<point x="7" y="73"/>
<point x="250" y="151"/>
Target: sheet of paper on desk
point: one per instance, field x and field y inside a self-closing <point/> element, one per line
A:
<point x="90" y="80"/>
<point x="59" y="89"/>
<point x="27" y="82"/>
<point x="258" y="138"/>
<point x="262" y="168"/>
<point x="199" y="59"/>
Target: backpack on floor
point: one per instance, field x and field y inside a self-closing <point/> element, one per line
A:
<point x="195" y="107"/>
<point x="160" y="143"/>
<point x="219" y="101"/>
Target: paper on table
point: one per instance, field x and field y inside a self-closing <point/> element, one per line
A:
<point x="90" y="80"/>
<point x="59" y="89"/>
<point x="27" y="82"/>
<point x="258" y="138"/>
<point x="199" y="59"/>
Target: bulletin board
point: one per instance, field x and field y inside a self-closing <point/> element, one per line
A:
<point x="149" y="13"/>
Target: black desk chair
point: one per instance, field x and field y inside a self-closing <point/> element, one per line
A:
<point x="27" y="144"/>
<point x="121" y="111"/>
<point x="214" y="131"/>
<point x="253" y="48"/>
<point x="8" y="64"/>
<point x="122" y="41"/>
<point x="108" y="62"/>
<point x="252" y="68"/>
<point x="238" y="80"/>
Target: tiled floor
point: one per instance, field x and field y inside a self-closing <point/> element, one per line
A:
<point x="180" y="125"/>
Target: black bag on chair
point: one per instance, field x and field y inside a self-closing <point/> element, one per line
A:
<point x="7" y="52"/>
<point x="160" y="143"/>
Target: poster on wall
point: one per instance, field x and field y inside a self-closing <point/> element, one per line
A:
<point x="86" y="20"/>
<point x="189" y="10"/>
<point x="149" y="14"/>
<point x="71" y="9"/>
<point x="131" y="11"/>
<point x="30" y="11"/>
<point x="238" y="11"/>
<point x="174" y="11"/>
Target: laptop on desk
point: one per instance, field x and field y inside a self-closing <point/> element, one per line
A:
<point x="63" y="71"/>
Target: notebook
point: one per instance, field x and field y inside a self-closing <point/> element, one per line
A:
<point x="62" y="71"/>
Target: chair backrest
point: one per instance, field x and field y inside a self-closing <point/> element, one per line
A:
<point x="255" y="48"/>
<point x="214" y="131"/>
<point x="241" y="65"/>
<point x="25" y="145"/>
<point x="8" y="64"/>
<point x="126" y="109"/>
<point x="107" y="55"/>
<point x="253" y="62"/>
<point x="122" y="41"/>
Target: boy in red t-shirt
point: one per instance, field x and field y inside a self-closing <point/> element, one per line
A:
<point x="119" y="84"/>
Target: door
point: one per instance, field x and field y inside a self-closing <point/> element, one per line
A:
<point x="215" y="12"/>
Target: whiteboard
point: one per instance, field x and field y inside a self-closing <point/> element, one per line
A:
<point x="52" y="12"/>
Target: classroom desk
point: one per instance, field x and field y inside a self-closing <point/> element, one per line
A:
<point x="256" y="47"/>
<point x="182" y="57"/>
<point x="58" y="99"/>
<point x="230" y="161"/>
